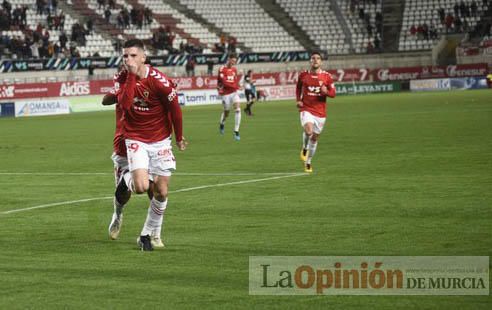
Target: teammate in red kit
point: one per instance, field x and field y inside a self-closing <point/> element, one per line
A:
<point x="151" y="113"/>
<point x="313" y="87"/>
<point x="228" y="86"/>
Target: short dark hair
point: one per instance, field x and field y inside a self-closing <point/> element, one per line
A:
<point x="134" y="43"/>
<point x="316" y="53"/>
<point x="233" y="55"/>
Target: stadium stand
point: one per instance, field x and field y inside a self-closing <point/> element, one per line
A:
<point x="188" y="25"/>
<point x="247" y="22"/>
<point x="365" y="22"/>
<point x="424" y="21"/>
<point x="319" y="22"/>
<point x="47" y="31"/>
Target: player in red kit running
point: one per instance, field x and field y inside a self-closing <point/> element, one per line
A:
<point x="151" y="113"/>
<point x="227" y="87"/>
<point x="313" y="87"/>
<point x="120" y="163"/>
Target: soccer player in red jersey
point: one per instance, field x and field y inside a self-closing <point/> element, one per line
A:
<point x="151" y="113"/>
<point x="227" y="87"/>
<point x="313" y="87"/>
<point x="120" y="163"/>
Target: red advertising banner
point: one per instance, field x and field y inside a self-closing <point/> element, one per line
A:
<point x="98" y="87"/>
<point x="429" y="72"/>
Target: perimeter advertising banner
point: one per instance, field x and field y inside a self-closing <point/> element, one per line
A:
<point x="430" y="72"/>
<point x="42" y="107"/>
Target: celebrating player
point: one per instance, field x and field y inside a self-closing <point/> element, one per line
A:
<point x="313" y="87"/>
<point x="120" y="163"/>
<point x="151" y="111"/>
<point x="227" y="86"/>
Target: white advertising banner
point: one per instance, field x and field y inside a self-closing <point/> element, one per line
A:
<point x="431" y="84"/>
<point x="41" y="107"/>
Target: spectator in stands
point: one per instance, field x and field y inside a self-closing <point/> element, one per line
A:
<point x="210" y="67"/>
<point x="107" y="14"/>
<point x="49" y="21"/>
<point x="369" y="30"/>
<point x="425" y="31"/>
<point x="458" y="24"/>
<point x="35" y="49"/>
<point x="442" y="15"/>
<point x="101" y="4"/>
<point x="474" y="8"/>
<point x="50" y="50"/>
<point x="352" y="7"/>
<point x="148" y="16"/>
<point x="63" y="39"/>
<point x="420" y="32"/>
<point x="370" y="47"/>
<point x="463" y="9"/>
<point x="379" y="22"/>
<point x="133" y="16"/>
<point x="39" y="7"/>
<point x="120" y="19"/>
<point x="449" y="22"/>
<point x="190" y="67"/>
<point x="377" y="43"/>
<point x="61" y="18"/>
<point x="118" y="43"/>
<point x="112" y="4"/>
<point x="456" y="9"/>
<point x="74" y="52"/>
<point x="433" y="32"/>
<point x="231" y="48"/>
<point x="89" y="25"/>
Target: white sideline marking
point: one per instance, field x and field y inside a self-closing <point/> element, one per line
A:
<point x="171" y="192"/>
<point x="176" y="173"/>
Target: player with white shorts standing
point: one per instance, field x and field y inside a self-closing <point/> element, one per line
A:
<point x="227" y="87"/>
<point x="313" y="87"/>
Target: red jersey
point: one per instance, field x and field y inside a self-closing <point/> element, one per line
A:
<point x="151" y="108"/>
<point x="227" y="81"/>
<point x="309" y="91"/>
<point x="119" y="147"/>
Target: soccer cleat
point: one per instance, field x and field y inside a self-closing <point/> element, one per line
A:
<point x="221" y="129"/>
<point x="157" y="242"/>
<point x="144" y="243"/>
<point x="115" y="225"/>
<point x="308" y="168"/>
<point x="304" y="153"/>
<point x="237" y="137"/>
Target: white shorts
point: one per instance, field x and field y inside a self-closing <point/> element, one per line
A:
<point x="155" y="157"/>
<point x="318" y="122"/>
<point x="229" y="100"/>
<point x="120" y="164"/>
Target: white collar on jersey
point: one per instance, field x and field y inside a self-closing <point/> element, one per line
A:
<point x="147" y="69"/>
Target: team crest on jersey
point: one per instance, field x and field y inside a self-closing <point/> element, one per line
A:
<point x="140" y="104"/>
<point x="320" y="83"/>
<point x="146" y="94"/>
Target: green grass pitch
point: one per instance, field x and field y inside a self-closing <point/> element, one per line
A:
<point x="397" y="174"/>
